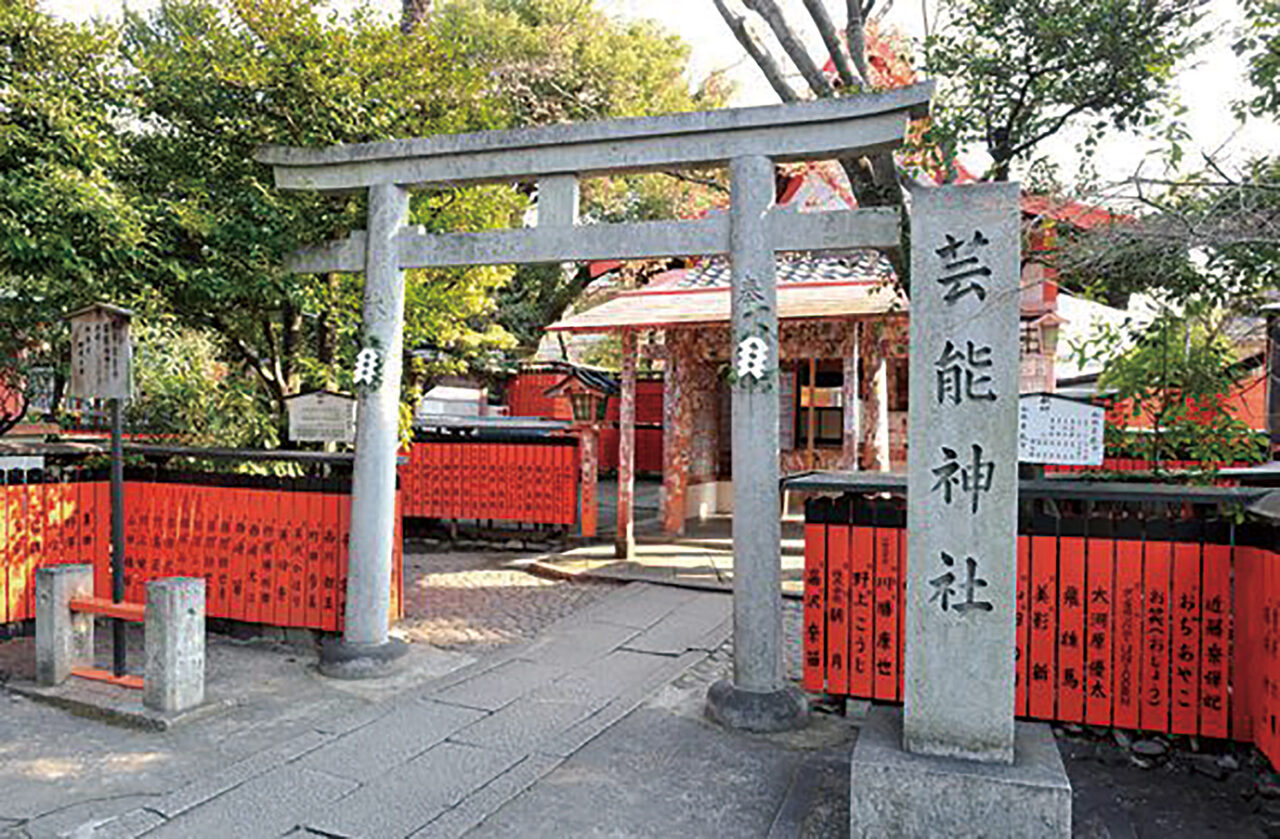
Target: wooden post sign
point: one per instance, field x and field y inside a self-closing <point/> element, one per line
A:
<point x="322" y="416"/>
<point x="101" y="354"/>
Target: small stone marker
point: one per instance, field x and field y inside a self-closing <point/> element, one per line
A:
<point x="174" y="644"/>
<point x="962" y="473"/>
<point x="64" y="639"/>
<point x="954" y="763"/>
<point x="1054" y="429"/>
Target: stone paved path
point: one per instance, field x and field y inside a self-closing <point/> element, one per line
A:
<point x="438" y="760"/>
<point x="702" y="558"/>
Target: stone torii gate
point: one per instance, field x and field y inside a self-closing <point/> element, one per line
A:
<point x="749" y="142"/>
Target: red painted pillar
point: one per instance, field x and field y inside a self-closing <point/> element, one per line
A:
<point x="676" y="433"/>
<point x="589" y="461"/>
<point x="625" y="544"/>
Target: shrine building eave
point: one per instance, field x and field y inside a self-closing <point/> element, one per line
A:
<point x="664" y="308"/>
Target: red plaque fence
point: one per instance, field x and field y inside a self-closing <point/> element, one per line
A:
<point x="1158" y="618"/>
<point x="529" y="482"/>
<point x="272" y="550"/>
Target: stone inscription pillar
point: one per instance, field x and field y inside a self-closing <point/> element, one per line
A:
<point x="374" y="480"/>
<point x="758" y="699"/>
<point x="962" y="473"/>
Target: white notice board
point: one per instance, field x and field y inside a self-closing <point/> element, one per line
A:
<point x="322" y="417"/>
<point x="1053" y="429"/>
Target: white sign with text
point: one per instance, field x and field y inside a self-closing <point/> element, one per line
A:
<point x="1053" y="429"/>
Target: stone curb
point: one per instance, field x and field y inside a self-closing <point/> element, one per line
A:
<point x="547" y="570"/>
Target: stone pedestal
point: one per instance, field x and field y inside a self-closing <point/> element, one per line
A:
<point x="174" y="644"/>
<point x="64" y="639"/>
<point x="899" y="794"/>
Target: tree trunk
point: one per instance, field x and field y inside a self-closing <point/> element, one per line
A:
<point x="413" y="12"/>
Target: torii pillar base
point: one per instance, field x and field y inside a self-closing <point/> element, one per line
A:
<point x="340" y="660"/>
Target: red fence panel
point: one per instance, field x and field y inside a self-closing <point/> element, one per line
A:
<point x="1168" y="625"/>
<point x="272" y="551"/>
<point x="530" y="482"/>
<point x="1098" y="639"/>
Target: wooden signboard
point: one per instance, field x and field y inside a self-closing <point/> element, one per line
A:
<point x="101" y="354"/>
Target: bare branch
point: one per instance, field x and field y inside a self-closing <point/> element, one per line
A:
<point x="827" y="29"/>
<point x="857" y="39"/>
<point x="758" y="52"/>
<point x="768" y="10"/>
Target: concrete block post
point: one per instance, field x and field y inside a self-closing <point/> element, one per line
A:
<point x="174" y="644"/>
<point x="64" y="639"/>
<point x="758" y="699"/>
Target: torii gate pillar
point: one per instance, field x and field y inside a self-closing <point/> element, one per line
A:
<point x="365" y="649"/>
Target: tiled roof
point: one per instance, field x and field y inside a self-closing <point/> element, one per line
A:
<point x="859" y="266"/>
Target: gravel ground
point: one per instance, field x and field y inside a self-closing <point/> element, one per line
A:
<point x="476" y="602"/>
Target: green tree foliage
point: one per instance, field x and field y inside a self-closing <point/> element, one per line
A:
<point x="1013" y="73"/>
<point x="1259" y="44"/>
<point x="68" y="231"/>
<point x="554" y="61"/>
<point x="127" y="173"/>
<point x="185" y="391"/>
<point x="1210" y="237"/>
<point x="1175" y="376"/>
<point x="215" y="80"/>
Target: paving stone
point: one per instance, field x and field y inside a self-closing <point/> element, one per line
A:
<point x="204" y="788"/>
<point x="127" y="825"/>
<point x="638" y="606"/>
<point x="601" y="681"/>
<point x="496" y="687"/>
<point x="273" y="804"/>
<point x="523" y="725"/>
<point x="415" y="794"/>
<point x="575" y="737"/>
<point x="685" y="627"/>
<point x="487" y="800"/>
<point x="655" y="775"/>
<point x="573" y="646"/>
<point x="381" y="746"/>
<point x="356" y="719"/>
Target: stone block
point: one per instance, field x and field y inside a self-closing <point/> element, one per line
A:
<point x="383" y="745"/>
<point x="64" y="639"/>
<point x="896" y="793"/>
<point x="523" y="725"/>
<point x="174" y="644"/>
<point x="685" y="627"/>
<point x="207" y="787"/>
<point x="498" y="687"/>
<point x="574" y="645"/>
<point x="475" y="808"/>
<point x="419" y="791"/>
<point x="272" y="804"/>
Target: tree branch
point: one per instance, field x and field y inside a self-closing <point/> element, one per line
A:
<point x="857" y="39"/>
<point x="759" y="53"/>
<point x="768" y="10"/>
<point x="709" y="183"/>
<point x="827" y="29"/>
